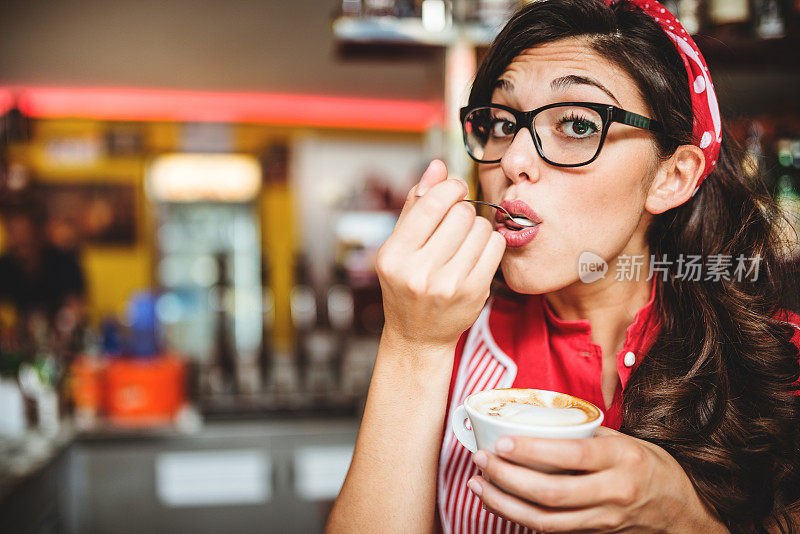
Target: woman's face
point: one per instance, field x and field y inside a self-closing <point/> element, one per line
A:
<point x="597" y="207"/>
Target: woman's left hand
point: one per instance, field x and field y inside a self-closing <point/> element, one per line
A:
<point x="623" y="483"/>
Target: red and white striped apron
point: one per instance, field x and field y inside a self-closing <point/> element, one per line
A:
<point x="483" y="366"/>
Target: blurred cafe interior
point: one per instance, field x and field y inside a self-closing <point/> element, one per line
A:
<point x="192" y="195"/>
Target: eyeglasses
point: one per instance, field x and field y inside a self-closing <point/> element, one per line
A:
<point x="566" y="134"/>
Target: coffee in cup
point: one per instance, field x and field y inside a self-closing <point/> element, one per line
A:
<point x="523" y="412"/>
<point x="536" y="407"/>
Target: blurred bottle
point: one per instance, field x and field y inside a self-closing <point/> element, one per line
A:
<point x="110" y="337"/>
<point x="15" y="127"/>
<point x="303" y="308"/>
<point x="222" y="374"/>
<point x="314" y="342"/>
<point x="788" y="195"/>
<point x="691" y="15"/>
<point x="729" y="17"/>
<point x="288" y="365"/>
<point x="351" y="8"/>
<point x="768" y="19"/>
<point x="39" y="378"/>
<point x="265" y="355"/>
<point x="793" y="18"/>
<point x="341" y="310"/>
<point x="495" y="13"/>
<point x="378" y="8"/>
<point x="13" y="422"/>
<point x="406" y="9"/>
<point x="85" y="382"/>
<point x="328" y="342"/>
<point x="142" y="325"/>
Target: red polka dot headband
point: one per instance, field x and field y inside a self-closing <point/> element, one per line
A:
<point x="707" y="131"/>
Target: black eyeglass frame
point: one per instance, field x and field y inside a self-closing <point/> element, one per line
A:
<point x="608" y="113"/>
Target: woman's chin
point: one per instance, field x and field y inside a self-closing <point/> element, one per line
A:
<point x="522" y="281"/>
<point x="529" y="281"/>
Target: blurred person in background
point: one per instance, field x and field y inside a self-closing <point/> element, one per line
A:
<point x="36" y="276"/>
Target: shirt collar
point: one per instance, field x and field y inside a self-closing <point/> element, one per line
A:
<point x="639" y="336"/>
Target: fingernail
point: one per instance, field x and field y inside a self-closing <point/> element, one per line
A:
<point x="480" y="459"/>
<point x="420" y="189"/>
<point x="475" y="487"/>
<point x="503" y="445"/>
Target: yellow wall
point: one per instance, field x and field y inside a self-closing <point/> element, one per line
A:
<point x="276" y="206"/>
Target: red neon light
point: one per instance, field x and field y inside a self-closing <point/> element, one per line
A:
<point x="6" y="100"/>
<point x="267" y="108"/>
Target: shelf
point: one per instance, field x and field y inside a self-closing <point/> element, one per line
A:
<point x="390" y="30"/>
<point x="750" y="52"/>
<point x="399" y="37"/>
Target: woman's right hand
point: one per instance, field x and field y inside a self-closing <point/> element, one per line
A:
<point x="436" y="267"/>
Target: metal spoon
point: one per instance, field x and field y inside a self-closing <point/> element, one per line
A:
<point x="522" y="222"/>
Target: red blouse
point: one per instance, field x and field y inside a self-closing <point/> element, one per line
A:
<point x="522" y="343"/>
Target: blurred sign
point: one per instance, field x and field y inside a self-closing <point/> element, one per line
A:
<point x="204" y="177"/>
<point x="97" y="213"/>
<point x="74" y="151"/>
<point x="207" y="137"/>
<point x="203" y="478"/>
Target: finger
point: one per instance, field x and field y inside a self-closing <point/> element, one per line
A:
<point x="546" y="489"/>
<point x="427" y="212"/>
<point x="451" y="232"/>
<point x="491" y="256"/>
<point x="471" y="249"/>
<point x="585" y="454"/>
<point x="429" y="179"/>
<point x="540" y="518"/>
<point x="435" y="173"/>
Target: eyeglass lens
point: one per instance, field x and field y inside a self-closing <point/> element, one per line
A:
<point x="568" y="135"/>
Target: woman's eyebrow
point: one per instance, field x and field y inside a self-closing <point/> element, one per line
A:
<point x="504" y="85"/>
<point x="573" y="79"/>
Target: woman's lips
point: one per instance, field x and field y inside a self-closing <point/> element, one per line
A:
<point x="519" y="207"/>
<point x="517" y="237"/>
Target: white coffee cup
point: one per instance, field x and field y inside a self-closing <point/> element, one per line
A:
<point x="487" y="429"/>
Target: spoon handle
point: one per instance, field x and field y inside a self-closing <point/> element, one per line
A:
<point x="495" y="206"/>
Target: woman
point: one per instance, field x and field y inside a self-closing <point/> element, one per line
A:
<point x="696" y="374"/>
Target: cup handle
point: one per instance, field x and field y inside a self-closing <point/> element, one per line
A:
<point x="463" y="434"/>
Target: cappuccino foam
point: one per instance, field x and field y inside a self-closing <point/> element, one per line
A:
<point x="537" y="410"/>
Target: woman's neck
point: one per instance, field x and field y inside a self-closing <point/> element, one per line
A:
<point x="610" y="305"/>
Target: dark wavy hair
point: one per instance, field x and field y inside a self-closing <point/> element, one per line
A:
<point x="716" y="388"/>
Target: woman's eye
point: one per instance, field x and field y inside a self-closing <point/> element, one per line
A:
<point x="502" y="128"/>
<point x="577" y="127"/>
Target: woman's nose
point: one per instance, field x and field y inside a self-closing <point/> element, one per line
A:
<point x="522" y="162"/>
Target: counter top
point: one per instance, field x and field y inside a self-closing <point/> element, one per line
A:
<point x="24" y="458"/>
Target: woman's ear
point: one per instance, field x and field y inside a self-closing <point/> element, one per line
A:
<point x="676" y="179"/>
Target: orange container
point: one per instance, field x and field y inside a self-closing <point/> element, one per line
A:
<point x="144" y="392"/>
